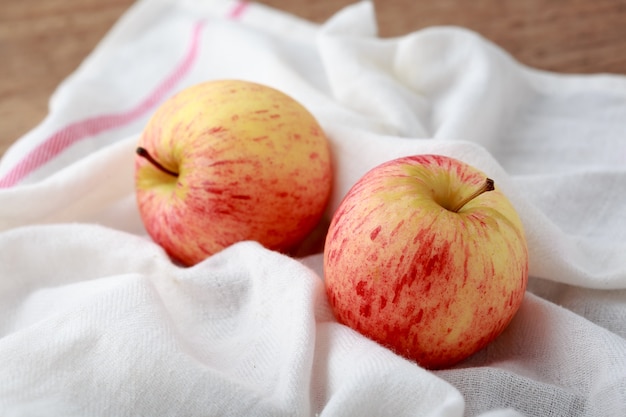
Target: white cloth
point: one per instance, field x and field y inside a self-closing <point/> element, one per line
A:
<point x="96" y="321"/>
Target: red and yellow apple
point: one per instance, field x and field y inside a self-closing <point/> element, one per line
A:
<point x="229" y="160"/>
<point x="427" y="257"/>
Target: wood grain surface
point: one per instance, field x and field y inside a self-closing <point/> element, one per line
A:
<point x="43" y="41"/>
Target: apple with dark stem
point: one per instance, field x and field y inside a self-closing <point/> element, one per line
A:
<point x="226" y="161"/>
<point x="427" y="256"/>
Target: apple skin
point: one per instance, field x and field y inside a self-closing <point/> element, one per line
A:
<point x="432" y="284"/>
<point x="252" y="164"/>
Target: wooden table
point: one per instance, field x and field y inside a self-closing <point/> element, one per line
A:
<point x="43" y="41"/>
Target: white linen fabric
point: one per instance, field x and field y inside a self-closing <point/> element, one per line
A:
<point x="95" y="320"/>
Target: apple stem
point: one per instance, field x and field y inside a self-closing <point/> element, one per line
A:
<point x="488" y="185"/>
<point x="145" y="154"/>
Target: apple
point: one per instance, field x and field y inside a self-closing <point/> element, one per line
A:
<point x="426" y="256"/>
<point x="229" y="160"/>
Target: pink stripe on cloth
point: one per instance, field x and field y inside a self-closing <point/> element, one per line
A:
<point x="77" y="131"/>
<point x="238" y="10"/>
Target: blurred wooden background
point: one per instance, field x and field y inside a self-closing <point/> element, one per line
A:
<point x="43" y="41"/>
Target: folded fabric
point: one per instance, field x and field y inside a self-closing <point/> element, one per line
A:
<point x="95" y="320"/>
